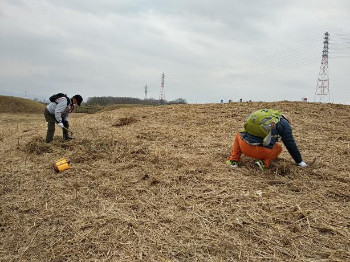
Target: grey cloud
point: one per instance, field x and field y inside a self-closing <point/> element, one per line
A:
<point x="117" y="47"/>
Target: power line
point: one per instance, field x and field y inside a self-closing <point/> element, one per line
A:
<point x="301" y="54"/>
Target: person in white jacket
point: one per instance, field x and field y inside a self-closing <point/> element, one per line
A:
<point x="58" y="112"/>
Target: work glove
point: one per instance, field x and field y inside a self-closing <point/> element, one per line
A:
<point x="302" y="164"/>
<point x="60" y="124"/>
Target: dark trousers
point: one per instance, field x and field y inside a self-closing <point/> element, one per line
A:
<point x="51" y="121"/>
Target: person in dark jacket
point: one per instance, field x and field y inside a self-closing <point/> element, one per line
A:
<point x="252" y="146"/>
<point x="58" y="112"/>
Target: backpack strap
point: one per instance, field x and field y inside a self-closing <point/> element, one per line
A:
<point x="68" y="100"/>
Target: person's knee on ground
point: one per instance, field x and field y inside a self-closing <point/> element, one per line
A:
<point x="273" y="154"/>
<point x="236" y="149"/>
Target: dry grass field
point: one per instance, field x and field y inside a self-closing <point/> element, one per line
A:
<point x="151" y="184"/>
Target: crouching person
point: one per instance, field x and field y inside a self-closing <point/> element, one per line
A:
<point x="259" y="139"/>
<point x="57" y="111"/>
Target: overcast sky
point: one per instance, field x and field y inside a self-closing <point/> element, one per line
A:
<point x="260" y="50"/>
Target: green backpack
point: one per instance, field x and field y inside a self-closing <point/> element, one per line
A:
<point x="259" y="122"/>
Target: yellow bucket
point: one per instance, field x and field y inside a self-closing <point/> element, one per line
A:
<point x="61" y="165"/>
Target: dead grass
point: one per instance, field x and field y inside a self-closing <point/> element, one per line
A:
<point x="157" y="188"/>
<point x="125" y="121"/>
<point x="37" y="146"/>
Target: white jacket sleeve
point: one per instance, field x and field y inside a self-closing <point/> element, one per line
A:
<point x="60" y="108"/>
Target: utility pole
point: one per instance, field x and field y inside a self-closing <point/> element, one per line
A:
<point x="146" y="92"/>
<point x="322" y="86"/>
<point x="162" y="93"/>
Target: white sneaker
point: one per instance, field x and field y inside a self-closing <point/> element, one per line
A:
<point x="302" y="164"/>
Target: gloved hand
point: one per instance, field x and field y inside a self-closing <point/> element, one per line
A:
<point x="302" y="164"/>
<point x="60" y="124"/>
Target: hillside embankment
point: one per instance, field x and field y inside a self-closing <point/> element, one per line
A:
<point x="17" y="105"/>
<point x="151" y="184"/>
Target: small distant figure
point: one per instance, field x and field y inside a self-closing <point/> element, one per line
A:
<point x="259" y="139"/>
<point x="57" y="111"/>
<point x="240" y="100"/>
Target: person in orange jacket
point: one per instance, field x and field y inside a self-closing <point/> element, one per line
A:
<point x="252" y="146"/>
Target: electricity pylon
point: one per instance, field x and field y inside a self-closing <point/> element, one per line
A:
<point x="322" y="86"/>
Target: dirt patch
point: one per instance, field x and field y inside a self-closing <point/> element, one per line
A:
<point x="125" y="121"/>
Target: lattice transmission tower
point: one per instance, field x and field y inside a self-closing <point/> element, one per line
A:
<point x="162" y="92"/>
<point x="322" y="86"/>
<point x="146" y="91"/>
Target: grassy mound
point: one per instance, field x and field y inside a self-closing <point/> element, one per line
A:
<point x="151" y="184"/>
<point x="11" y="104"/>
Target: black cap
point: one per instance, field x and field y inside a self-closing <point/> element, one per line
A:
<point x="78" y="98"/>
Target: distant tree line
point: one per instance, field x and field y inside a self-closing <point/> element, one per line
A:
<point x="110" y="100"/>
